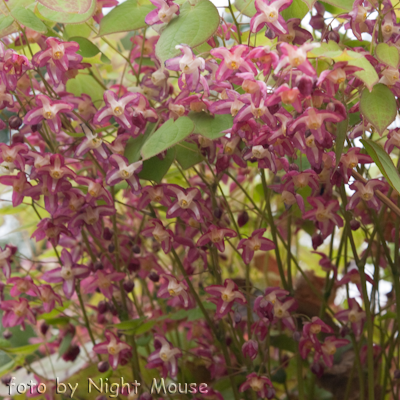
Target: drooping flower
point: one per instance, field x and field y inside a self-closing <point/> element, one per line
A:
<point x="328" y="349"/>
<point x="216" y="236"/>
<point x="118" y="351"/>
<point x="176" y="289"/>
<point x="19" y="184"/>
<point x="226" y="296"/>
<point x="92" y="142"/>
<point x="103" y="281"/>
<point x="355" y="315"/>
<point x="163" y="236"/>
<point x="259" y="384"/>
<point x="296" y="57"/>
<point x="6" y="258"/>
<point x="250" y="349"/>
<point x="365" y="192"/>
<point x="165" y="356"/>
<point x="186" y="201"/>
<point x="269" y="13"/>
<point x="49" y="298"/>
<point x="163" y="13"/>
<point x="254" y="243"/>
<point x="16" y="312"/>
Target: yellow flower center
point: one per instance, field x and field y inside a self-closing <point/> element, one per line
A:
<point x="57" y="55"/>
<point x="118" y="111"/>
<point x="234" y="65"/>
<point x="256" y="247"/>
<point x="48" y="115"/>
<point x="172" y="292"/>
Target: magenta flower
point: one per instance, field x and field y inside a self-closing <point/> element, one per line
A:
<point x="165" y="356"/>
<point x="92" y="142"/>
<point x="51" y="229"/>
<point x="58" y="57"/>
<point x="264" y="305"/>
<point x="102" y="280"/>
<point x="19" y="184"/>
<point x="355" y="315"/>
<point x="393" y="140"/>
<point x="326" y="263"/>
<point x="91" y="218"/>
<point x="95" y="190"/>
<point x="6" y="258"/>
<point x="313" y="328"/>
<point x="282" y="311"/>
<point x="328" y="349"/>
<point x="124" y="171"/>
<point x="98" y="13"/>
<point x="250" y="349"/>
<point x="295" y="34"/>
<point x="259" y="384"/>
<point x="6" y="99"/>
<point x="186" y="202"/>
<point x="324" y="212"/>
<point x="365" y="192"/>
<point x="176" y="289"/>
<point x="358" y="16"/>
<point x="254" y="243"/>
<point x="286" y="95"/>
<point x="47" y="109"/>
<point x="14" y="66"/>
<point x="22" y="286"/>
<point x="84" y="105"/>
<point x="296" y="57"/>
<point x="190" y="66"/>
<point x="265" y="157"/>
<point x="155" y="193"/>
<point x="233" y="60"/>
<point x="268" y="13"/>
<point x="163" y="13"/>
<point x="216" y="235"/>
<point x="353" y="276"/>
<point x="351" y="159"/>
<point x="49" y="298"/>
<point x="118" y="351"/>
<point x="117" y="108"/>
<point x="67" y="274"/>
<point x="16" y="312"/>
<point x="163" y="236"/>
<point x="226" y="296"/>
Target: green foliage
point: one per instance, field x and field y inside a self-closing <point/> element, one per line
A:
<point x="187" y="154"/>
<point x="29" y="19"/>
<point x="378" y="107"/>
<point x="195" y="24"/>
<point x="167" y="136"/>
<point x="84" y="83"/>
<point x="86" y="47"/>
<point x="62" y="16"/>
<point x="154" y="168"/>
<point x="298" y="9"/>
<point x="341" y="134"/>
<point x="128" y="16"/>
<point x="209" y="126"/>
<point x="384" y="163"/>
<point x="75" y="7"/>
<point x="387" y="54"/>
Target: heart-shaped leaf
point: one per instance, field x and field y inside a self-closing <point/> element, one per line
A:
<point x="86" y="47"/>
<point x="378" y="106"/>
<point x="387" y="54"/>
<point x="128" y="16"/>
<point x="343" y="4"/>
<point x="64" y="17"/>
<point x="154" y="168"/>
<point x="187" y="154"/>
<point x="167" y="136"/>
<point x="29" y="19"/>
<point x="209" y="126"/>
<point x="5" y="25"/>
<point x="384" y="163"/>
<point x="195" y="24"/>
<point x="70" y="6"/>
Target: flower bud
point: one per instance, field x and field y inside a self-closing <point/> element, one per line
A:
<point x="72" y="353"/>
<point x="317" y="240"/>
<point x="250" y="349"/>
<point x="134" y="266"/>
<point x="44" y="328"/>
<point x="153" y="276"/>
<point x="333" y="35"/>
<point x="6" y="379"/>
<point x="14" y="122"/>
<point x="97" y="266"/>
<point x="396" y="374"/>
<point x="293" y="167"/>
<point x="305" y="85"/>
<point x="243" y="218"/>
<point x="297" y="336"/>
<point x="136" y="249"/>
<point x="7" y="334"/>
<point x="237" y="318"/>
<point x="317" y="22"/>
<point x="218" y="213"/>
<point x="270" y="393"/>
<point x="354" y="224"/>
<point x="107" y="234"/>
<point x="344" y="331"/>
<point x="17" y="138"/>
<point x="128" y="286"/>
<point x="270" y="34"/>
<point x="317" y="369"/>
<point x="102" y="307"/>
<point x="103" y="366"/>
<point x="266" y="308"/>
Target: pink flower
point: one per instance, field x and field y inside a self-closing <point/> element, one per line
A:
<point x="324" y="212"/>
<point x="163" y="236"/>
<point x="6" y="258"/>
<point x="118" y="351"/>
<point x="22" y="286"/>
<point x="355" y="315"/>
<point x="250" y="349"/>
<point x="268" y="13"/>
<point x="13" y="67"/>
<point x="165" y="356"/>
<point x="296" y="57"/>
<point x="186" y="202"/>
<point x="155" y="193"/>
<point x="163" y="13"/>
<point x="102" y="280"/>
<point x="351" y="159"/>
<point x="254" y="243"/>
<point x="124" y="171"/>
<point x="19" y="184"/>
<point x="51" y="229"/>
<point x="313" y="328"/>
<point x="14" y="154"/>
<point x="91" y="218"/>
<point x="117" y="108"/>
<point x="328" y="349"/>
<point x="259" y="384"/>
<point x="47" y="109"/>
<point x="98" y="13"/>
<point x="365" y="192"/>
<point x="264" y="305"/>
<point x="216" y="236"/>
<point x="49" y="298"/>
<point x="68" y="273"/>
<point x="295" y="34"/>
<point x="16" y="312"/>
<point x="226" y="296"/>
<point x="353" y="276"/>
<point x="92" y="142"/>
<point x="176" y="289"/>
<point x="282" y="311"/>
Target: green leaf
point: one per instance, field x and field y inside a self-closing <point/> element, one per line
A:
<point x="167" y="136"/>
<point x="378" y="106"/>
<point x="283" y="342"/>
<point x="64" y="17"/>
<point x="187" y="154"/>
<point x="154" y="169"/>
<point x="384" y="163"/>
<point x="369" y="75"/>
<point x="341" y="134"/>
<point x="64" y="346"/>
<point x="77" y="30"/>
<point x="298" y="9"/>
<point x="84" y="83"/>
<point x="134" y="145"/>
<point x="145" y="327"/>
<point x="58" y="321"/>
<point x="86" y="47"/>
<point x="209" y="126"/>
<point x="343" y="4"/>
<point x="132" y="324"/>
<point x="4" y="369"/>
<point x="5" y="22"/>
<point x="74" y="7"/>
<point x="29" y="19"/>
<point x="128" y="16"/>
<point x="28" y="349"/>
<point x="195" y="24"/>
<point x="387" y="54"/>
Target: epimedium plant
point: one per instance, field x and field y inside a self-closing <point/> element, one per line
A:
<point x="201" y="184"/>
